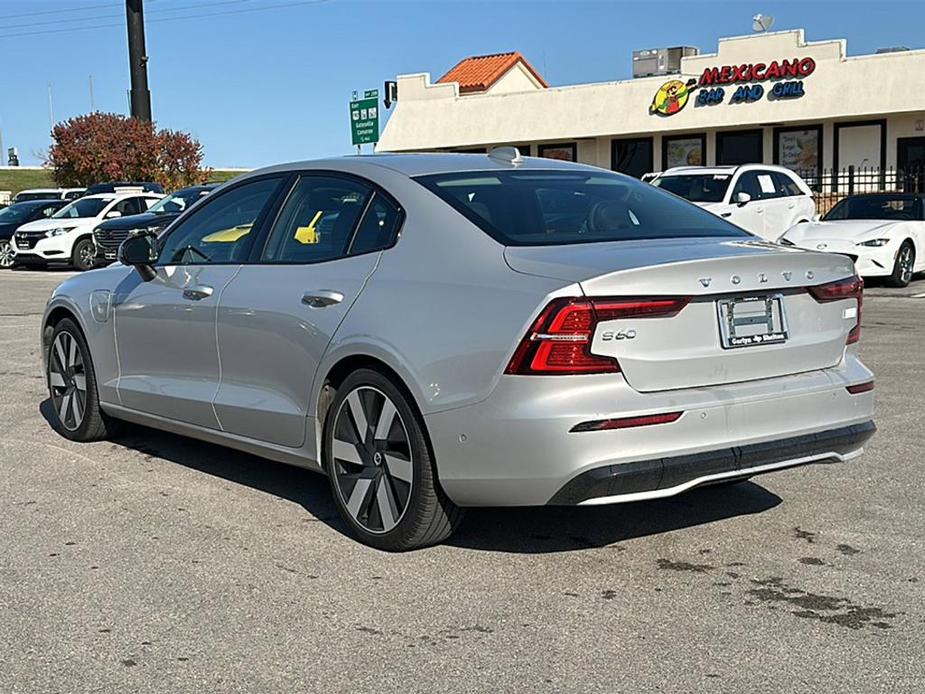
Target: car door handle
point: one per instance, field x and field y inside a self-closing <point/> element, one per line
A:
<point x="197" y="292"/>
<point x="321" y="298"/>
<point x="726" y="214"/>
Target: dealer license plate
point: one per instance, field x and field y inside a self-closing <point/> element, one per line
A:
<point x="752" y="320"/>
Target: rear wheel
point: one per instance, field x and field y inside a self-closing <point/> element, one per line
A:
<point x="6" y="254"/>
<point x="83" y="255"/>
<point x="903" y="266"/>
<point x="379" y="465"/>
<point x="72" y="386"/>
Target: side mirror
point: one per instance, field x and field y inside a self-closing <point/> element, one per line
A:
<point x="141" y="253"/>
<point x="113" y="214"/>
<point x="742" y="198"/>
<point x="817" y="217"/>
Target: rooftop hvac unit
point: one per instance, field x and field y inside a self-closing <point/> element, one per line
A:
<point x="660" y="61"/>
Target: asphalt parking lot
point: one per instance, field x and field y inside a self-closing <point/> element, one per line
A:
<point x="153" y="563"/>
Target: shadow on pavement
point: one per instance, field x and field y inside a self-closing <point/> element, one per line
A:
<point x="519" y="530"/>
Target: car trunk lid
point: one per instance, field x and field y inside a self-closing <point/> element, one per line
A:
<point x="749" y="317"/>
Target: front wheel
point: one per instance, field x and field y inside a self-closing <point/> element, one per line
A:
<point x="72" y="386"/>
<point x="6" y="254"/>
<point x="380" y="468"/>
<point x="84" y="255"/>
<point x="903" y="266"/>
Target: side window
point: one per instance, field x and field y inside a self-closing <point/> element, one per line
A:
<point x="317" y="221"/>
<point x="220" y="230"/>
<point x="767" y="185"/>
<point x="786" y="184"/>
<point x="747" y="183"/>
<point x="378" y="228"/>
<point x="127" y="207"/>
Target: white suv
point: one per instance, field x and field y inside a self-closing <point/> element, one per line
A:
<point x="67" y="236"/>
<point x="49" y="194"/>
<point x="763" y="199"/>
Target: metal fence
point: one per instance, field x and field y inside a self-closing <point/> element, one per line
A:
<point x="829" y="186"/>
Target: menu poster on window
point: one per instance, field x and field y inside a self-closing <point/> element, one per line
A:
<point x="798" y="150"/>
<point x="564" y="153"/>
<point x="688" y="152"/>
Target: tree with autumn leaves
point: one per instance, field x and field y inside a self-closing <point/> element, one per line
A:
<point x="101" y="147"/>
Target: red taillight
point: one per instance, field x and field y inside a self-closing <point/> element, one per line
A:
<point x="559" y="341"/>
<point x="851" y="288"/>
<point x="627" y="422"/>
<point x="860" y="388"/>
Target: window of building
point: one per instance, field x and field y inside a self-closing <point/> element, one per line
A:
<point x="632" y="156"/>
<point x="740" y="147"/>
<point x="800" y="150"/>
<point x="564" y="151"/>
<point x="684" y="150"/>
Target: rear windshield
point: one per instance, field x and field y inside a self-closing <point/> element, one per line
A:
<point x="550" y="208"/>
<point x="696" y="187"/>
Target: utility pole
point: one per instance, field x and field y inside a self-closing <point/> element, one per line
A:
<point x="2" y="151"/>
<point x="92" y="100"/>
<point x="138" y="60"/>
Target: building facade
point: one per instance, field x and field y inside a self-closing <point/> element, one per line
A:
<point x="771" y="98"/>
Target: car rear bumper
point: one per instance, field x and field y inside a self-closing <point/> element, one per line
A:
<point x="517" y="447"/>
<point x="652" y="479"/>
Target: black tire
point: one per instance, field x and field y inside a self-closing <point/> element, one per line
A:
<point x="6" y="254"/>
<point x="903" y="266"/>
<point x="427" y="516"/>
<point x="64" y="379"/>
<point x="83" y="256"/>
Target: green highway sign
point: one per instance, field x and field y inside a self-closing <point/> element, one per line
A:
<point x="364" y="118"/>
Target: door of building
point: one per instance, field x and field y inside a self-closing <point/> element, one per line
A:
<point x="910" y="163"/>
<point x="740" y="147"/>
<point x="632" y="156"/>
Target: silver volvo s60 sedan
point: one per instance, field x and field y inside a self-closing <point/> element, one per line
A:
<point x="441" y="331"/>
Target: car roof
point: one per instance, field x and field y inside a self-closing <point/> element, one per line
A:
<point x="727" y="169"/>
<point x="42" y="202"/>
<point x="420" y="164"/>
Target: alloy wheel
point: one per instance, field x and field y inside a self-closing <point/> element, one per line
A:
<point x="372" y="460"/>
<point x="86" y="253"/>
<point x="6" y="254"/>
<point x="67" y="380"/>
<point x="906" y="262"/>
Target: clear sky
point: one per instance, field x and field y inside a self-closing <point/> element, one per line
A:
<point x="265" y="81"/>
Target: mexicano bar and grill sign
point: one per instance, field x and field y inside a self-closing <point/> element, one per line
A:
<point x="743" y="81"/>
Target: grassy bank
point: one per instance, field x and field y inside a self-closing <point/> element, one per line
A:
<point x="16" y="180"/>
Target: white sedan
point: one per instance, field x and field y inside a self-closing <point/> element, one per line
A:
<point x="884" y="233"/>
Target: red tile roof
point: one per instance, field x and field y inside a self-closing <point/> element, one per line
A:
<point x="478" y="73"/>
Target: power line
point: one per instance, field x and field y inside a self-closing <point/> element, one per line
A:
<point x="71" y="20"/>
<point x="70" y="9"/>
<point x="262" y="8"/>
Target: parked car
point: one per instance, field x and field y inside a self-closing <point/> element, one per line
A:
<point x="48" y="194"/>
<point x="763" y="199"/>
<point x="67" y="236"/>
<point x="883" y="233"/>
<point x="442" y="331"/>
<point x="110" y="234"/>
<point x="125" y="187"/>
<point x="17" y="214"/>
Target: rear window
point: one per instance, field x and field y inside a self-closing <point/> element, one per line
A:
<point x="550" y="208"/>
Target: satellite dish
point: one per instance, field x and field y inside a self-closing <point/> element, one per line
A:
<point x="762" y="22"/>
